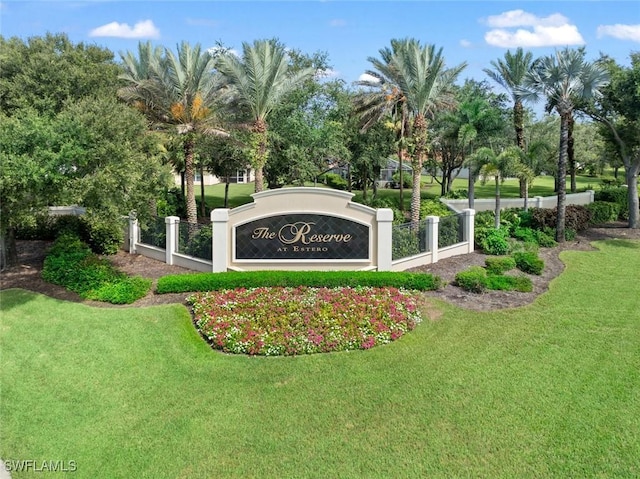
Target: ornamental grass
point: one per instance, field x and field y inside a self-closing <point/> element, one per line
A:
<point x="304" y="320"/>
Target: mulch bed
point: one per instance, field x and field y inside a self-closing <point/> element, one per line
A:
<point x="31" y="254"/>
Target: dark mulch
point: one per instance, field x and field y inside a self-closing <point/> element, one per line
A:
<point x="31" y="254"/>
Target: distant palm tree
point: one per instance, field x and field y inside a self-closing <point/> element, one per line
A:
<point x="259" y="81"/>
<point x="563" y="79"/>
<point x="498" y="167"/>
<point x="416" y="75"/>
<point x="178" y="91"/>
<point x="509" y="73"/>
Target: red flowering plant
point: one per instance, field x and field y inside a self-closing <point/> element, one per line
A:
<point x="304" y="320"/>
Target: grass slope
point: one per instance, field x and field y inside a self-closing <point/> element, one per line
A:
<point x="549" y="390"/>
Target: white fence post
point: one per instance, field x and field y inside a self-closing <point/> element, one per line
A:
<point x="171" y="223"/>
<point x="432" y="228"/>
<point x="134" y="233"/>
<point x="592" y="196"/>
<point x="539" y="200"/>
<point x="384" y="217"/>
<point x="469" y="228"/>
<point x="220" y="239"/>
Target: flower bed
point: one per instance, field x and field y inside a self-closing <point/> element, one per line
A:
<point x="304" y="320"/>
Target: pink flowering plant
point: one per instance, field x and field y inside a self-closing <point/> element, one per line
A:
<point x="304" y="320"/>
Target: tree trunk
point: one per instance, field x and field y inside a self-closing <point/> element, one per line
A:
<point x="400" y="175"/>
<point x="203" y="203"/>
<point x="497" y="218"/>
<point x="8" y="249"/>
<point x="518" y="123"/>
<point x="526" y="196"/>
<point x="632" y="187"/>
<point x="192" y="210"/>
<point x="415" y="194"/>
<point x="562" y="177"/>
<point x="571" y="158"/>
<point x="471" y="192"/>
<point x="226" y="192"/>
<point x="420" y="130"/>
<point x="261" y="153"/>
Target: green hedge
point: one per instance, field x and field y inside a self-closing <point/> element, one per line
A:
<point x="185" y="283"/>
<point x="477" y="280"/>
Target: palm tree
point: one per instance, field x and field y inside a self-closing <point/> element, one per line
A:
<point x="509" y="73"/>
<point x="564" y="79"/>
<point x="419" y="78"/>
<point x="498" y="167"/>
<point x="259" y="81"/>
<point x="178" y="91"/>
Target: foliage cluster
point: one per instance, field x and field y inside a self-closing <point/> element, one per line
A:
<point x="182" y="283"/>
<point x="70" y="263"/>
<point x="102" y="236"/>
<point x="477" y="279"/>
<point x="499" y="264"/>
<point x="334" y="181"/>
<point x="604" y="211"/>
<point x="301" y="320"/>
<point x="528" y="262"/>
<point x="434" y="208"/>
<point x="619" y="196"/>
<point x="578" y="218"/>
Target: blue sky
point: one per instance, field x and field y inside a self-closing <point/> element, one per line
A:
<point x="349" y="31"/>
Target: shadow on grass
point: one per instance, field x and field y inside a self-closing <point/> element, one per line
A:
<point x="15" y="297"/>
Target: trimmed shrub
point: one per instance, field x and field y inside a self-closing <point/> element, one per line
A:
<point x="335" y="181"/>
<point x="407" y="179"/>
<point x="70" y="263"/>
<point x="184" y="283"/>
<point x="499" y="265"/>
<point x="509" y="283"/>
<point x="603" y="212"/>
<point x="577" y="217"/>
<point x="618" y="195"/>
<point x="473" y="279"/>
<point x="495" y="242"/>
<point x="529" y="262"/>
<point x="538" y="237"/>
<point x="103" y="235"/>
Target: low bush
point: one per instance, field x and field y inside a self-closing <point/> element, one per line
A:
<point x="618" y="195"/>
<point x="496" y="242"/>
<point x="509" y="283"/>
<point x="603" y="212"/>
<point x="577" y="217"/>
<point x="71" y="263"/>
<point x="473" y="279"/>
<point x="335" y="181"/>
<point x="499" y="264"/>
<point x="477" y="280"/>
<point x="538" y="237"/>
<point x="407" y="179"/>
<point x="183" y="283"/>
<point x="434" y="208"/>
<point x="529" y="262"/>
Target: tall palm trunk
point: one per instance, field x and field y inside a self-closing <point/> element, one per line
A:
<point x="420" y="136"/>
<point x="571" y="158"/>
<point x="562" y="175"/>
<point x="203" y="203"/>
<point x="189" y="170"/>
<point x="498" y="205"/>
<point x="261" y="152"/>
<point x="518" y="123"/>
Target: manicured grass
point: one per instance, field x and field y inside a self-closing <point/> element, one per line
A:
<point x="548" y="390"/>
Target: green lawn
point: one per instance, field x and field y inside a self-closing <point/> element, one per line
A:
<point x="240" y="194"/>
<point x="548" y="390"/>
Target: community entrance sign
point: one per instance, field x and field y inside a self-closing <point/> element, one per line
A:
<point x="299" y="228"/>
<point x="302" y="236"/>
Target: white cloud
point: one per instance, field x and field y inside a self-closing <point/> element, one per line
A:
<point x="621" y="32"/>
<point x="142" y="29"/>
<point x="465" y="43"/>
<point x="520" y="18"/>
<point x="367" y="77"/>
<point x="554" y="30"/>
<point x="338" y="22"/>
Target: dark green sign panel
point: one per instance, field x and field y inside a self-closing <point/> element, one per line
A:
<point x="302" y="237"/>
